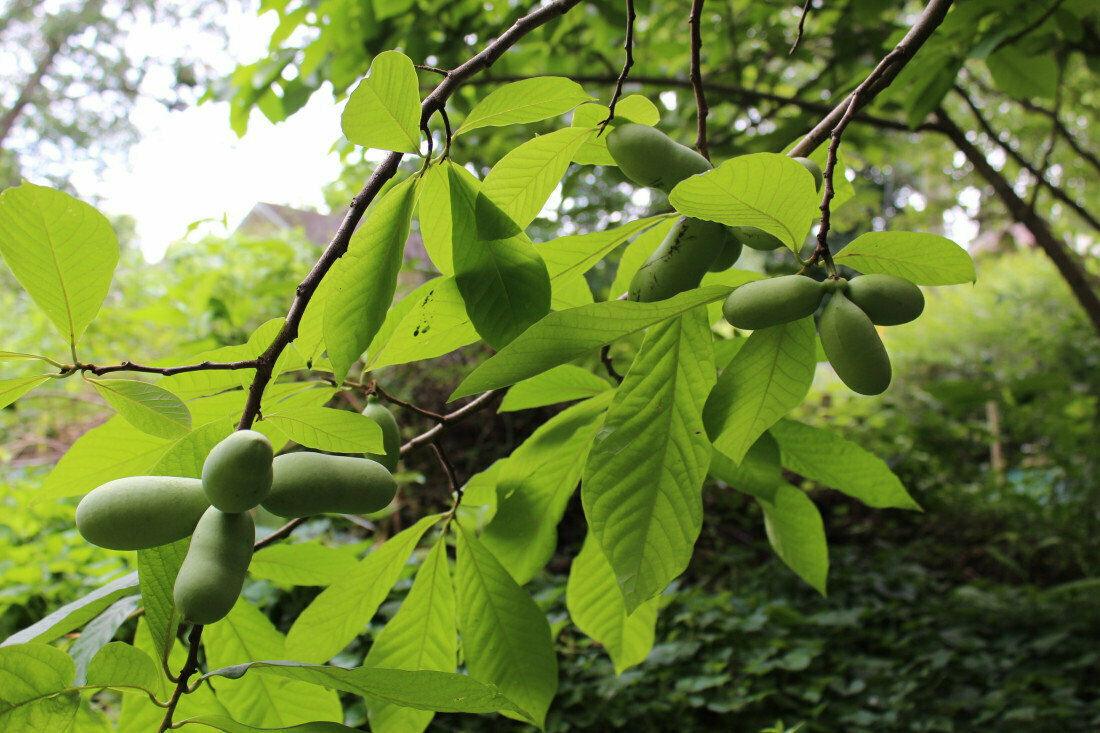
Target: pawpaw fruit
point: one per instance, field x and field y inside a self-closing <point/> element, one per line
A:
<point x="765" y="303"/>
<point x="391" y="434"/>
<point x="731" y="250"/>
<point x="648" y="157"/>
<point x="139" y="512"/>
<point x="237" y="472"/>
<point x="853" y="346"/>
<point x="680" y="261"/>
<point x="814" y="169"/>
<point x="887" y="300"/>
<point x="757" y="238"/>
<point x="212" y="574"/>
<point x="315" y="483"/>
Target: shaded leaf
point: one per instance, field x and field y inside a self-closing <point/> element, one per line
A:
<point x="527" y="100"/>
<point x="561" y="384"/>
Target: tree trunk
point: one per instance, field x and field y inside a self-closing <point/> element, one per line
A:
<point x="7" y="122"/>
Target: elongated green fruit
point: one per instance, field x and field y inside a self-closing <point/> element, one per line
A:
<point x="887" y="300"/>
<point x="314" y="483"/>
<point x="765" y="303"/>
<point x="391" y="434"/>
<point x="237" y="473"/>
<point x="680" y="261"/>
<point x="212" y="574"/>
<point x="139" y="512"/>
<point x="853" y="346"/>
<point x="731" y="250"/>
<point x="648" y="157"/>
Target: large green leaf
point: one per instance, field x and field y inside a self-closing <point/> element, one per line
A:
<point x="505" y="637"/>
<point x="631" y="108"/>
<point x="263" y="700"/>
<point x="503" y="282"/>
<point x="764" y="190"/>
<point x="100" y="631"/>
<point x="76" y="614"/>
<point x="768" y="378"/>
<point x="147" y="407"/>
<point x="527" y="100"/>
<point x="123" y="666"/>
<point x="302" y="563"/>
<point x="61" y="250"/>
<point x="517" y="187"/>
<point x="1023" y="75"/>
<point x="433" y="210"/>
<point x="596" y="607"/>
<point x="384" y="110"/>
<point x="578" y="253"/>
<point x="186" y="455"/>
<point x="422" y="635"/>
<point x="563" y="336"/>
<point x="33" y="681"/>
<point x="431" y="321"/>
<point x="158" y="568"/>
<point x="924" y="259"/>
<point x="561" y="384"/>
<point x="828" y="458"/>
<point x="534" y="486"/>
<point x="366" y="278"/>
<point x="329" y="429"/>
<point x="13" y="389"/>
<point x="342" y="611"/>
<point x="643" y="480"/>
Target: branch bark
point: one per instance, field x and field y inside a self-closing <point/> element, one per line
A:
<point x="701" y="109"/>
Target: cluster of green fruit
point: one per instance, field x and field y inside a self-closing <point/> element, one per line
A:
<point x="239" y="474"/>
<point x="650" y="158"/>
<point x="847" y="322"/>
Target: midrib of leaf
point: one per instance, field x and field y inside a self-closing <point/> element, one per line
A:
<point x="519" y="190"/>
<point x="511" y="110"/>
<point x="60" y="276"/>
<point x="392" y="116"/>
<point x="431" y="605"/>
<point x="268" y="690"/>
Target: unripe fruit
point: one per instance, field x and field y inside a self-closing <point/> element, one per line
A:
<point x="756" y="238"/>
<point x="764" y="303"/>
<point x="680" y="261"/>
<point x="853" y="346"/>
<point x="139" y="512"/>
<point x="887" y="300"/>
<point x="648" y="157"/>
<point x="237" y="473"/>
<point x="814" y="169"/>
<point x="314" y="483"/>
<point x="212" y="574"/>
<point x="391" y="434"/>
<point x="731" y="250"/>
<point x="834" y="284"/>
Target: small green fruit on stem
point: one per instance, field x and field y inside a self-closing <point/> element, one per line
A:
<point x="391" y="433"/>
<point x="139" y="512"/>
<point x="315" y="483"/>
<point x="887" y="300"/>
<point x="766" y="303"/>
<point x="212" y="575"/>
<point x="237" y="472"/>
<point x="853" y="346"/>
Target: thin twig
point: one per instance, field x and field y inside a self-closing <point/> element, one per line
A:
<point x="434" y="69"/>
<point x="376" y="388"/>
<point x="628" y="45"/>
<point x="801" y="26"/>
<point x="190" y="667"/>
<point x="129" y="366"/>
<point x="479" y="402"/>
<point x="701" y="109"/>
<point x="448" y="468"/>
<point x="605" y="357"/>
<point x="281" y="533"/>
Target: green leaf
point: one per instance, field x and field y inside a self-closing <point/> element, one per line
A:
<point x="423" y="635"/>
<point x="384" y="9"/>
<point x="366" y="278"/>
<point x="577" y="254"/>
<point x="528" y="100"/>
<point x="301" y="563"/>
<point x="20" y="356"/>
<point x="829" y="459"/>
<point x="768" y="378"/>
<point x="758" y="473"/>
<point x="433" y="210"/>
<point x="342" y="611"/>
<point x="764" y="190"/>
<point x="534" y="486"/>
<point x="384" y="110"/>
<point x="31" y="678"/>
<point x="519" y="184"/>
<point x="1022" y="75"/>
<point x="122" y="666"/>
<point x="228" y="725"/>
<point x="147" y="407"/>
<point x="643" y="480"/>
<point x="505" y="637"/>
<point x="503" y="282"/>
<point x="596" y="607"/>
<point x="631" y="108"/>
<point x="76" y="614"/>
<point x="561" y="384"/>
<point x="843" y="190"/>
<point x="635" y="255"/>
<point x="61" y="250"/>
<point x="158" y="568"/>
<point x="424" y="690"/>
<point x="13" y="389"/>
<point x="98" y="632"/>
<point x="924" y="259"/>
<point x="563" y="336"/>
<point x="185" y="455"/>
<point x="329" y="429"/>
<point x="431" y="321"/>
<point x="263" y="700"/>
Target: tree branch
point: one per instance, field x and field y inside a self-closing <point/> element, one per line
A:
<point x="129" y="366"/>
<point x="628" y="45"/>
<point x="801" y="26"/>
<point x="478" y="403"/>
<point x="697" y="79"/>
<point x="190" y="667"/>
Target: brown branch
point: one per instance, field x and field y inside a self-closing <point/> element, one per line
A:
<point x="801" y="26"/>
<point x="696" y="76"/>
<point x="1026" y="30"/>
<point x="448" y="468"/>
<point x="478" y="403"/>
<point x="281" y="533"/>
<point x="190" y="667"/>
<point x="628" y="46"/>
<point x="129" y="366"/>
<point x="376" y="388"/>
<point x="605" y="357"/>
<point x="384" y="172"/>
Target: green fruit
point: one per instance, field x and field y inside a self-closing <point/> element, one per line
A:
<point x="834" y="284"/>
<point x="648" y="157"/>
<point x="139" y="512"/>
<point x="757" y="238"/>
<point x="314" y="483"/>
<point x="731" y="250"/>
<point x="212" y="574"/>
<point x="814" y="169"/>
<point x="237" y="473"/>
<point x="770" y="302"/>
<point x="680" y="261"/>
<point x="391" y="434"/>
<point x="887" y="300"/>
<point x="853" y="346"/>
